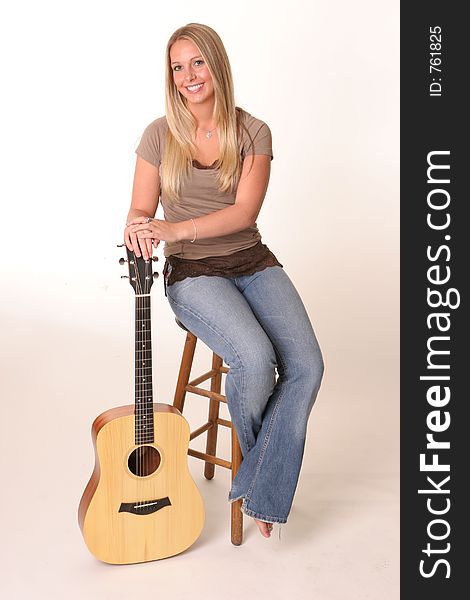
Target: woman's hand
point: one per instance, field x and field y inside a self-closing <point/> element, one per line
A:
<point x="156" y="230"/>
<point x="138" y="244"/>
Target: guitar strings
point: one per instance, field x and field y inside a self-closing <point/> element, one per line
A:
<point x="138" y="389"/>
<point x="149" y="349"/>
<point x="143" y="459"/>
<point x="143" y="338"/>
<point x="144" y="391"/>
<point x="149" y="405"/>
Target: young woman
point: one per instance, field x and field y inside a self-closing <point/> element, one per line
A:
<point x="209" y="162"/>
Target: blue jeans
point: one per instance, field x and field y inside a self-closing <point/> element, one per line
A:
<point x="257" y="324"/>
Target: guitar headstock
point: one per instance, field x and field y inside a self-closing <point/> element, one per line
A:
<point x="141" y="274"/>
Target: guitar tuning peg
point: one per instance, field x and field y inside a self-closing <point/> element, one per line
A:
<point x="120" y="245"/>
<point x="154" y="258"/>
<point x="124" y="277"/>
<point x="155" y="275"/>
<point x="122" y="261"/>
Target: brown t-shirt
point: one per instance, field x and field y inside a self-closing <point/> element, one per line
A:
<point x="199" y="195"/>
<point x="236" y="254"/>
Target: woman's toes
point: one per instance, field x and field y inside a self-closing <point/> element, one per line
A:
<point x="264" y="527"/>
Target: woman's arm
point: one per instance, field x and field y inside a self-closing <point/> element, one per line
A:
<point x="251" y="192"/>
<point x="144" y="202"/>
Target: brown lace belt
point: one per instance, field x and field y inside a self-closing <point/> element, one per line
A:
<point x="243" y="262"/>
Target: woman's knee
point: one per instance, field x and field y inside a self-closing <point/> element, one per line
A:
<point x="304" y="371"/>
<point x="256" y="358"/>
<point x="318" y="368"/>
<point x="314" y="368"/>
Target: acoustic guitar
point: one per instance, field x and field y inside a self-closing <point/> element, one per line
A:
<point x="141" y="502"/>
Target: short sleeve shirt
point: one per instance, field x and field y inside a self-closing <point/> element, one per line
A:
<point x="199" y="195"/>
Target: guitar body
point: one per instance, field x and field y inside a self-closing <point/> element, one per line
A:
<point x="141" y="502"/>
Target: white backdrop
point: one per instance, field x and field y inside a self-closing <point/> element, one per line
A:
<point x="81" y="80"/>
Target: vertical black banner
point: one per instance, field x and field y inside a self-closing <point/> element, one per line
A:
<point x="434" y="300"/>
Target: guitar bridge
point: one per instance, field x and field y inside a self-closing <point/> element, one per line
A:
<point x="144" y="508"/>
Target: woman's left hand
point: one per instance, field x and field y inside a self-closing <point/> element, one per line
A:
<point x="156" y="229"/>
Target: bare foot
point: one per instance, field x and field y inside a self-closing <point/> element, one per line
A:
<point x="264" y="527"/>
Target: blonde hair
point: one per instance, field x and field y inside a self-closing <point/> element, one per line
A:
<point x="179" y="145"/>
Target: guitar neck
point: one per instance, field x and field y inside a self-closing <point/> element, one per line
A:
<point x="144" y="422"/>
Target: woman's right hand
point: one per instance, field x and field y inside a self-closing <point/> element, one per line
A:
<point x="142" y="246"/>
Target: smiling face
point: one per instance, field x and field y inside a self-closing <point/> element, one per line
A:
<point x="190" y="72"/>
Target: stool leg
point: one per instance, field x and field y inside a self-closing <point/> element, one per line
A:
<point x="237" y="515"/>
<point x="211" y="443"/>
<point x="185" y="370"/>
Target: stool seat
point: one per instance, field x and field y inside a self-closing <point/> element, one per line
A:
<point x="183" y="386"/>
<point x="181" y="324"/>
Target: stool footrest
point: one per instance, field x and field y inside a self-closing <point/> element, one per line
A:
<point x="209" y="375"/>
<point x="206" y="393"/>
<point x="209" y="425"/>
<point x="215" y="460"/>
<point x="200" y="430"/>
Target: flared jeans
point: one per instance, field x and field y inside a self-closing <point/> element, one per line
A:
<point x="258" y="324"/>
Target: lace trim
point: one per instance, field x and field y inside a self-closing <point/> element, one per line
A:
<point x="244" y="262"/>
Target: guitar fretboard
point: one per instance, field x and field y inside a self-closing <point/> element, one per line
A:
<point x="144" y="423"/>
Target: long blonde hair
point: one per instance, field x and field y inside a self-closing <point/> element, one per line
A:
<point x="179" y="145"/>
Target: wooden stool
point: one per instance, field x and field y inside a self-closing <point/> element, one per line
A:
<point x="184" y="385"/>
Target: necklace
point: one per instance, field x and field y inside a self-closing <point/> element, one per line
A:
<point x="209" y="133"/>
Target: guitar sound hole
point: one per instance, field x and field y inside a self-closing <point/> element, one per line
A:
<point x="144" y="461"/>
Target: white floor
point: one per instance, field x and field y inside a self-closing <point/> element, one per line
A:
<point x="341" y="540"/>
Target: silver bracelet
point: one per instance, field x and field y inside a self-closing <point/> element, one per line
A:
<point x="195" y="232"/>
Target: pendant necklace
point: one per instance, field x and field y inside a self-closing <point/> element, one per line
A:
<point x="209" y="133"/>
